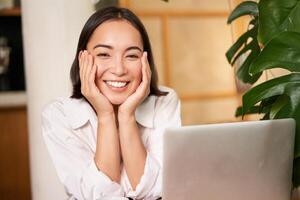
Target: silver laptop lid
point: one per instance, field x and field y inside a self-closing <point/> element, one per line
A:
<point x="232" y="161"/>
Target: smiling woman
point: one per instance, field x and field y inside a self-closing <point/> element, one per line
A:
<point x="118" y="59"/>
<point x="106" y="139"/>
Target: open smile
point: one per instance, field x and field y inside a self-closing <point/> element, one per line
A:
<point x="117" y="84"/>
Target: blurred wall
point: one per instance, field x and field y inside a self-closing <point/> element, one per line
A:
<point x="189" y="40"/>
<point x="51" y="30"/>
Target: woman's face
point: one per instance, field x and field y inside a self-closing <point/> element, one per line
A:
<point x="117" y="49"/>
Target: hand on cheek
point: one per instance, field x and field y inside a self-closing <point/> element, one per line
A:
<point x="89" y="90"/>
<point x="129" y="106"/>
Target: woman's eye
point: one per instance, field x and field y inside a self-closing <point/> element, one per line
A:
<point x="133" y="56"/>
<point x="103" y="55"/>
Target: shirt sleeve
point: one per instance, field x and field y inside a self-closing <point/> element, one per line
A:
<point x="167" y="114"/>
<point x="73" y="161"/>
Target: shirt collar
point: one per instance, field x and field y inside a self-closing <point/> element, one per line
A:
<point x="144" y="113"/>
<point x="79" y="112"/>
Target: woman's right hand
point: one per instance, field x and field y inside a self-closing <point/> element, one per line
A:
<point x="89" y="89"/>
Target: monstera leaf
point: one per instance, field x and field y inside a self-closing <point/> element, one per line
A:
<point x="264" y="107"/>
<point x="271" y="41"/>
<point x="283" y="51"/>
<point x="276" y="16"/>
<point x="286" y="89"/>
<point x="288" y="85"/>
<point x="247" y="44"/>
<point x="244" y="8"/>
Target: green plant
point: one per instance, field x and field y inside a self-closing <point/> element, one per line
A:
<point x="271" y="41"/>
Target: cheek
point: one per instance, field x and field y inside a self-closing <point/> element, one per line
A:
<point x="101" y="67"/>
<point x="137" y="71"/>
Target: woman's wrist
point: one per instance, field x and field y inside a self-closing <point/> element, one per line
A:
<point x="127" y="123"/>
<point x="106" y="117"/>
<point x="125" y="118"/>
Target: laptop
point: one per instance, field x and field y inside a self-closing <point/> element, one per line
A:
<point x="231" y="161"/>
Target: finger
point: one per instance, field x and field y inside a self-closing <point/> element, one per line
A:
<point x="148" y="74"/>
<point x="142" y="89"/>
<point x="88" y="66"/>
<point x="82" y="70"/>
<point x="92" y="75"/>
<point x="80" y="64"/>
<point x="89" y="86"/>
<point x="146" y="68"/>
<point x="83" y="65"/>
<point x="88" y="60"/>
<point x="146" y="64"/>
<point x="84" y="85"/>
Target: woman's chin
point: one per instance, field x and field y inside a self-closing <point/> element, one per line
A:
<point x="115" y="101"/>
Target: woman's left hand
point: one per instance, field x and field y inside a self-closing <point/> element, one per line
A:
<point x="131" y="103"/>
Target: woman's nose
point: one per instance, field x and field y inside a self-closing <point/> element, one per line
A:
<point x="119" y="68"/>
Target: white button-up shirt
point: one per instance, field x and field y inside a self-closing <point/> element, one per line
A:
<point x="69" y="127"/>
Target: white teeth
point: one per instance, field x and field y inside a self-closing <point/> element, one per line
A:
<point x="116" y="84"/>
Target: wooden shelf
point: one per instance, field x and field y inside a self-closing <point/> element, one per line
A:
<point x="9" y="99"/>
<point x="10" y="11"/>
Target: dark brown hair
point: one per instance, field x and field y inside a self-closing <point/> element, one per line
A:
<point x="99" y="17"/>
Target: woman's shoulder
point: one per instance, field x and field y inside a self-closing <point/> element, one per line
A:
<point x="166" y="89"/>
<point x="59" y="103"/>
<point x="63" y="113"/>
<point x="60" y="106"/>
<point x="170" y="96"/>
<point x="167" y="102"/>
<point x="167" y="108"/>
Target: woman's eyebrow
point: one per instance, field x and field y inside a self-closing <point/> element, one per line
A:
<point x="103" y="45"/>
<point x="134" y="47"/>
<point x="110" y="47"/>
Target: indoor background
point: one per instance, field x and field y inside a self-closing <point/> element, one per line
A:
<point x="189" y="41"/>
